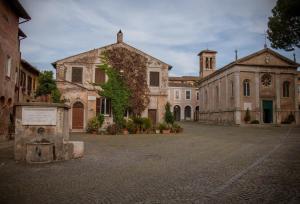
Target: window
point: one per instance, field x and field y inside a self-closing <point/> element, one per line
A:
<point x="154" y="78"/>
<point x="286" y="89"/>
<point x="177" y="94"/>
<point x="197" y="95"/>
<point x="206" y="62"/>
<point x="206" y="98"/>
<point x="210" y="63"/>
<point x="105" y="106"/>
<point x="188" y="95"/>
<point x="23" y="79"/>
<point x="99" y="76"/>
<point x="217" y="95"/>
<point x="77" y="75"/>
<point x="8" y="66"/>
<point x="29" y="85"/>
<point x="246" y="86"/>
<point x="266" y="80"/>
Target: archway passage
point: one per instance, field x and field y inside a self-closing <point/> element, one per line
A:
<point x="187" y="113"/>
<point x="176" y="112"/>
<point x="77" y="115"/>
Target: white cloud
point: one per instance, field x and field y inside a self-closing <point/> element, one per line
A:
<point x="173" y="31"/>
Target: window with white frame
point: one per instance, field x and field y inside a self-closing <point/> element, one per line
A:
<point x="177" y="94"/>
<point x="8" y="66"/>
<point x="105" y="106"/>
<point x="188" y="95"/>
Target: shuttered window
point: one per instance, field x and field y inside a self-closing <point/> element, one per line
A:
<point x="77" y="75"/>
<point x="154" y="78"/>
<point x="98" y="106"/>
<point x="99" y="76"/>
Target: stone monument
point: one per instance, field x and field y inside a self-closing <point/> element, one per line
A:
<point x="42" y="133"/>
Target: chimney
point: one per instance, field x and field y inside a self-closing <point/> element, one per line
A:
<point x="119" y="37"/>
<point x="236" y="55"/>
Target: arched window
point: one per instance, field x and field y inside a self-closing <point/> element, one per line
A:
<point x="286" y="89"/>
<point x="246" y="86"/>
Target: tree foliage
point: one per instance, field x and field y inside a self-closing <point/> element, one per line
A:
<point x="284" y="25"/>
<point x="47" y="86"/>
<point x="116" y="90"/>
<point x="134" y="71"/>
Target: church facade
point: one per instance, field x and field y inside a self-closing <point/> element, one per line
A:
<point x="264" y="84"/>
<point x="76" y="76"/>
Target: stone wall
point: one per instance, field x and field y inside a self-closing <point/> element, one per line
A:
<point x="9" y="46"/>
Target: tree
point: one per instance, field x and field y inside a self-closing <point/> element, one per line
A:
<point x="116" y="90"/>
<point x="47" y="86"/>
<point x="169" y="118"/>
<point x="284" y="25"/>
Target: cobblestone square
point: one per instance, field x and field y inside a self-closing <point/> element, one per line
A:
<point x="205" y="164"/>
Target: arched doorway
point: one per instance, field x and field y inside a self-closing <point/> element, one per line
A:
<point x="187" y="113"/>
<point x="196" y="116"/>
<point x="77" y="115"/>
<point x="176" y="112"/>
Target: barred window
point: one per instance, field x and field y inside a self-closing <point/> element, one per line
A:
<point x="154" y="78"/>
<point x="77" y="75"/>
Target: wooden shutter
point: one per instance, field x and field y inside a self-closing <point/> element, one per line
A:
<point x="99" y="76"/>
<point x="77" y="75"/>
<point x="98" y="106"/>
<point x="154" y="78"/>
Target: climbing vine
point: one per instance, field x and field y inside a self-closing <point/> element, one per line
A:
<point x="133" y="67"/>
<point x="116" y="90"/>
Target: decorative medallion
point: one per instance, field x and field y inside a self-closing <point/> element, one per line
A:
<point x="266" y="79"/>
<point x="267" y="59"/>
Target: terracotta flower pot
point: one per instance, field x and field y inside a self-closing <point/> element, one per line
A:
<point x="168" y="131"/>
<point x="125" y="132"/>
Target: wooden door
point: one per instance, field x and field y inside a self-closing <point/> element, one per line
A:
<point x="152" y="115"/>
<point x="77" y="115"/>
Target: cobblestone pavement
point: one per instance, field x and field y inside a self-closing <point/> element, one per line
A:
<point x="205" y="164"/>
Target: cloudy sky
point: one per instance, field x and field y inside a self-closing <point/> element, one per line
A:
<point x="171" y="30"/>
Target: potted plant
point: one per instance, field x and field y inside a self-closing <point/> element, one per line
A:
<point x="164" y="128"/>
<point x="93" y="125"/>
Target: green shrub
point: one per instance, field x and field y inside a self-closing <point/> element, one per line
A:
<point x="254" y="122"/>
<point x="163" y="126"/>
<point x="169" y="117"/>
<point x="131" y="127"/>
<point x="100" y="118"/>
<point x="176" y="128"/>
<point x="147" y="124"/>
<point x="93" y="125"/>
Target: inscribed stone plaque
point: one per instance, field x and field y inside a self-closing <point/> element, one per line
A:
<point x="38" y="116"/>
<point x="92" y="98"/>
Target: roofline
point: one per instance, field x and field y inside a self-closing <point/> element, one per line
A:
<point x="207" y="51"/>
<point x="104" y="47"/>
<point x="23" y="61"/>
<point x="238" y="62"/>
<point x="19" y="9"/>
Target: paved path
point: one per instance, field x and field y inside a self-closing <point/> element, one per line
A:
<point x="205" y="164"/>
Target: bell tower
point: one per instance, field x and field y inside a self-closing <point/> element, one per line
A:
<point x="207" y="62"/>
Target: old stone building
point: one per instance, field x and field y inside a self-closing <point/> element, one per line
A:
<point x="76" y="74"/>
<point x="10" y="35"/>
<point x="27" y="82"/>
<point x="183" y="96"/>
<point x="264" y="82"/>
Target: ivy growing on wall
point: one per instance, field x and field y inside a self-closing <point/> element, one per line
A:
<point x="116" y="90"/>
<point x="133" y="67"/>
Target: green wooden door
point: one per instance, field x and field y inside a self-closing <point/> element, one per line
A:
<point x="267" y="111"/>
